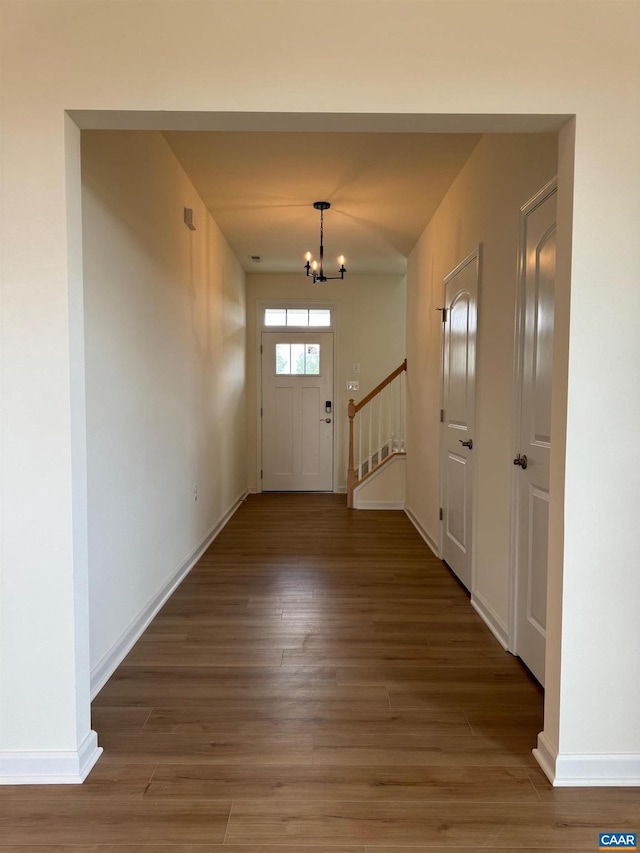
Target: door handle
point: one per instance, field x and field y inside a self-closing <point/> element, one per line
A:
<point x="468" y="444"/>
<point x="521" y="461"/>
<point x="326" y="420"/>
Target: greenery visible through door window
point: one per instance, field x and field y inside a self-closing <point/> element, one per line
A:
<point x="298" y="359"/>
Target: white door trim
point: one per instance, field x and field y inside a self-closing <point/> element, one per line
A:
<point x="261" y="304"/>
<point x="474" y="255"/>
<point x="535" y="201"/>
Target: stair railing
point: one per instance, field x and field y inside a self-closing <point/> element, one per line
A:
<point x="380" y="429"/>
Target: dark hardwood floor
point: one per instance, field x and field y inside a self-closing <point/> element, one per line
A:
<point x="318" y="684"/>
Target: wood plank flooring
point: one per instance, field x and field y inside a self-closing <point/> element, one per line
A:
<point x="318" y="684"/>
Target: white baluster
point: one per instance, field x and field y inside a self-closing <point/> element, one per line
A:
<point x="393" y="414"/>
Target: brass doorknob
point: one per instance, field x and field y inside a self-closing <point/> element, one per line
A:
<point x="326" y="420"/>
<point x="468" y="444"/>
<point x="521" y="461"/>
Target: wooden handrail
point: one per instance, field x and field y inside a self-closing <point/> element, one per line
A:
<point x="353" y="410"/>
<point x="378" y="388"/>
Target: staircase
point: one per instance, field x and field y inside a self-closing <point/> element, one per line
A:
<point x="376" y="430"/>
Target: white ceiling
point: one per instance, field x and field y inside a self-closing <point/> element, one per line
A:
<point x="383" y="189"/>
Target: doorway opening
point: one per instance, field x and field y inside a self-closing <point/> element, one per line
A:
<point x="293" y="357"/>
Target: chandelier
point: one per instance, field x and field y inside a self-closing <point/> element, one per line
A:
<point x="315" y="269"/>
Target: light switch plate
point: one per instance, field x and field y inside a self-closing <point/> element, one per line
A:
<point x="353" y="386"/>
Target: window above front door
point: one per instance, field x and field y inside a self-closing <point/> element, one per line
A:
<point x="297" y="318"/>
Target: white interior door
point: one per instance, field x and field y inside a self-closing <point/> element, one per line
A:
<point x="458" y="415"/>
<point x="535" y="343"/>
<point x="297" y="411"/>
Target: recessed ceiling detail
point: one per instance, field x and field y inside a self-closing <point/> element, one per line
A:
<point x="383" y="189"/>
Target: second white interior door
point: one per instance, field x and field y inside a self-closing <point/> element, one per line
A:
<point x="458" y="415"/>
<point x="297" y="411"/>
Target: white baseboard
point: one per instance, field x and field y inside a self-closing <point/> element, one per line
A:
<point x="595" y="771"/>
<point x="252" y="490"/>
<point x="340" y="490"/>
<point x="616" y="770"/>
<point x="494" y="623"/>
<point x="545" y="754"/>
<point x="50" y="767"/>
<point x="482" y="607"/>
<point x="109" y="662"/>
<point x="379" y="505"/>
<point x="433" y="545"/>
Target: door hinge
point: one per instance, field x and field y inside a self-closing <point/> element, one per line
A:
<point x="441" y="416"/>
<point x="261" y="475"/>
<point x="260" y="349"/>
<point x="443" y="311"/>
<point x="441" y="514"/>
<point x="260" y="411"/>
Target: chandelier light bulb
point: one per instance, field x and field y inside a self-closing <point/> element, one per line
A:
<point x="314" y="266"/>
<point x="307" y="257"/>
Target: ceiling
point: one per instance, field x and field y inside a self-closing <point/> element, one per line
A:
<point x="260" y="188"/>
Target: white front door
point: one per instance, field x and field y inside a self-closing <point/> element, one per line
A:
<point x="297" y="411"/>
<point x="458" y="415"/>
<point x="535" y="344"/>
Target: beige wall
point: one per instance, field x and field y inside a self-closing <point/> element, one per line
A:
<point x="482" y="207"/>
<point x="419" y="65"/>
<point x="165" y="378"/>
<point x="369" y="314"/>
